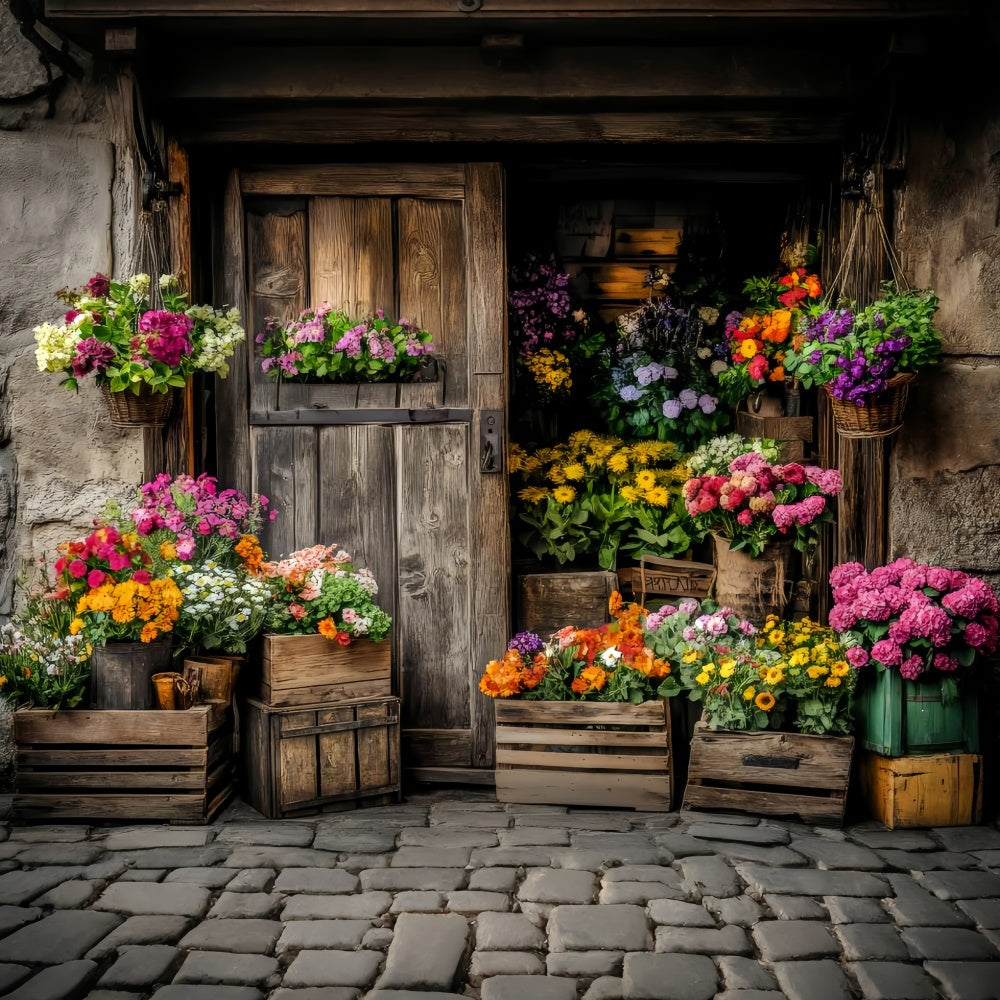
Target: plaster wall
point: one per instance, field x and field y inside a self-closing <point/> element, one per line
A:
<point x="945" y="488"/>
<point x="67" y="196"/>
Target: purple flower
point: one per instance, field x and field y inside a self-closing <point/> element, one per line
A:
<point x="688" y="398"/>
<point x="526" y="643"/>
<point x="672" y="408"/>
<point x="92" y="354"/>
<point x="707" y="403"/>
<point x="630" y="393"/>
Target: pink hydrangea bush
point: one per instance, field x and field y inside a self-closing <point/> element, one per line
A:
<point x="914" y="618"/>
<point x="760" y="501"/>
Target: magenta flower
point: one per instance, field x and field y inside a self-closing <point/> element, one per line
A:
<point x="911" y="668"/>
<point x="857" y="656"/>
<point x="887" y="653"/>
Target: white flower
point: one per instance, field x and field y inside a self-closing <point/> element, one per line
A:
<point x="168" y="282"/>
<point x="57" y="344"/>
<point x="139" y="283"/>
<point x="611" y="656"/>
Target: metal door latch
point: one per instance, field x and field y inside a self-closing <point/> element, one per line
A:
<point x="491" y="457"/>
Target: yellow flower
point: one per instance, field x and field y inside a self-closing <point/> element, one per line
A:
<point x="658" y="496"/>
<point x="630" y="494"/>
<point x="618" y="462"/>
<point x="764" y="701"/>
<point x="564" y="494"/>
<point x="557" y="474"/>
<point x="702" y="678"/>
<point x="76" y="626"/>
<point x="832" y="682"/>
<point x="840" y="669"/>
<point x="575" y="471"/>
<point x="691" y="655"/>
<point x="816" y="672"/>
<point x="645" y="480"/>
<point x="726" y="668"/>
<point x="168" y="551"/>
<point x="799" y="658"/>
<point x="774" y="675"/>
<point x="748" y="349"/>
<point x="748" y="693"/>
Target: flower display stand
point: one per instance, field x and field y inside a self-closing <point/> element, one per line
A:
<point x="307" y="669"/>
<point x="769" y="773"/>
<point x="123" y="765"/>
<point x="921" y="791"/>
<point x="584" y="754"/>
<point x="548" y="601"/>
<point x="897" y="718"/>
<point x="305" y="759"/>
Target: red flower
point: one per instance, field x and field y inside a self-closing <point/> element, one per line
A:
<point x="142" y="576"/>
<point x="343" y="638"/>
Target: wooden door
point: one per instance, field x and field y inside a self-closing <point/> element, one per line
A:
<point x="398" y="480"/>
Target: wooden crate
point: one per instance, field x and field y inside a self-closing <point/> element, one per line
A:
<point x="929" y="790"/>
<point x="123" y="764"/>
<point x="655" y="576"/>
<point x="769" y="773"/>
<point x="584" y="754"/>
<point x="311" y="758"/>
<point x="306" y="669"/>
<point x="792" y="433"/>
<point x="548" y="601"/>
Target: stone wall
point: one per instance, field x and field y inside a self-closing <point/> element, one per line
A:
<point x="945" y="493"/>
<point x="67" y="195"/>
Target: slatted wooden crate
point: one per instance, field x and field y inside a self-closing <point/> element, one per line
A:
<point x="655" y="576"/>
<point x="792" y="433"/>
<point x="123" y="765"/>
<point x="584" y="754"/>
<point x="307" y="669"/>
<point x="944" y="789"/>
<point x="769" y="773"/>
<point x="322" y="757"/>
<point x="548" y="601"/>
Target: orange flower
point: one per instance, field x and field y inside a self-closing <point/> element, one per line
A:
<point x="813" y="286"/>
<point x="614" y="603"/>
<point x="590" y="679"/>
<point x="777" y="374"/>
<point x="249" y="550"/>
<point x="327" y="627"/>
<point x="764" y="701"/>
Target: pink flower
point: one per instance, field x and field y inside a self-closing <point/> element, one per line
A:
<point x="296" y="611"/>
<point x="745" y="517"/>
<point x="77" y="568"/>
<point x="185" y="548"/>
<point x="857" y="656"/>
<point x="845" y="573"/>
<point x="887" y="653"/>
<point x="975" y="635"/>
<point x="96" y="577"/>
<point x="118" y="561"/>
<point x="843" y="617"/>
<point x="98" y="286"/>
<point x="911" y="668"/>
<point x="945" y="663"/>
<point x="142" y="576"/>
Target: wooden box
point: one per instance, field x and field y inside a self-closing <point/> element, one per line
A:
<point x="900" y="718"/>
<point x="305" y="669"/>
<point x="312" y="758"/>
<point x="769" y="773"/>
<point x="655" y="576"/>
<point x="123" y="765"/>
<point x="929" y="790"/>
<point x="584" y="754"/>
<point x="548" y="601"/>
<point x="791" y="433"/>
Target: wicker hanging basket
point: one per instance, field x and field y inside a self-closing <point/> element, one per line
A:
<point x="147" y="409"/>
<point x="880" y="417"/>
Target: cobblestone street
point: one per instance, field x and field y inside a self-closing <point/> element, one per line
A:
<point x="451" y="894"/>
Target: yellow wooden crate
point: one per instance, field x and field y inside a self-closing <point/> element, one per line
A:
<point x="930" y="790"/>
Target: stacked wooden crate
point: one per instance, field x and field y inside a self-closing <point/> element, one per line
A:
<point x="322" y="731"/>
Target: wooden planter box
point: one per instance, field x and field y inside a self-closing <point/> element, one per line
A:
<point x="123" y="765"/>
<point x="791" y="433"/>
<point x="898" y="718"/>
<point x="306" y="669"/>
<point x="655" y="576"/>
<point x="769" y="773"/>
<point x="584" y="754"/>
<point x="312" y="758"/>
<point x="931" y="790"/>
<point x="548" y="601"/>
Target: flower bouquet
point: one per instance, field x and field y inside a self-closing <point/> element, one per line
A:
<point x="324" y="344"/>
<point x="606" y="663"/>
<point x="712" y="457"/>
<point x="867" y="360"/>
<point x="757" y="338"/>
<point x="112" y="332"/>
<point x="659" y="378"/>
<point x="596" y="496"/>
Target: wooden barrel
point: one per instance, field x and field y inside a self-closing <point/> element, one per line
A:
<point x="754" y="588"/>
<point x="121" y="673"/>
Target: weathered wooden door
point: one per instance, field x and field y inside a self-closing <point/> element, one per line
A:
<point x="403" y="481"/>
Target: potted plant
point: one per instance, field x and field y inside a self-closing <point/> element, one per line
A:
<point x="756" y="514"/>
<point x="866" y="361"/>
<point x="776" y="709"/>
<point x="580" y="718"/>
<point x="916" y="634"/>
<point x="139" y="356"/>
<point x="658" y="380"/>
<point x="324" y="635"/>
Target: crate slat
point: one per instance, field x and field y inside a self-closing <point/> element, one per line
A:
<point x="118" y="727"/>
<point x="811" y="808"/>
<point x="165" y="806"/>
<point x="598" y="761"/>
<point x="579" y="713"/>
<point x="148" y="780"/>
<point x="613" y="790"/>
<point x="180" y="757"/>
<point x="577" y="737"/>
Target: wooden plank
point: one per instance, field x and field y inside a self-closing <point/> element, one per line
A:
<point x="164" y="806"/>
<point x="451" y="775"/>
<point x="612" y="281"/>
<point x="599" y="9"/>
<point x="231" y="394"/>
<point x="578" y="713"/>
<point x="350" y="254"/>
<point x="38" y="727"/>
<point x="337" y="417"/>
<point x="612" y="791"/>
<point x="432" y="292"/>
<point x="569" y="762"/>
<point x="357" y="490"/>
<point x="373" y="746"/>
<point x="645" y="242"/>
<point x="487" y="268"/>
<point x="567" y="73"/>
<point x="298" y="770"/>
<point x="328" y="123"/>
<point x="414" y="180"/>
<point x="305" y="476"/>
<point x="258" y="765"/>
<point x="782" y="428"/>
<point x="275" y="477"/>
<point x="548" y="601"/>
<point x="433" y="570"/>
<point x="62" y="780"/>
<point x="437" y="747"/>
<point x="313" y="694"/>
<point x="338" y="769"/>
<point x="278" y="277"/>
<point x="810" y="808"/>
<point x="292" y="661"/>
<point x="111" y="756"/>
<point x="578" y="737"/>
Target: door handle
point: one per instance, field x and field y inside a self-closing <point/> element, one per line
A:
<point x="491" y="448"/>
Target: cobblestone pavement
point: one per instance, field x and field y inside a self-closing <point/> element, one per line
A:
<point x="453" y="895"/>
